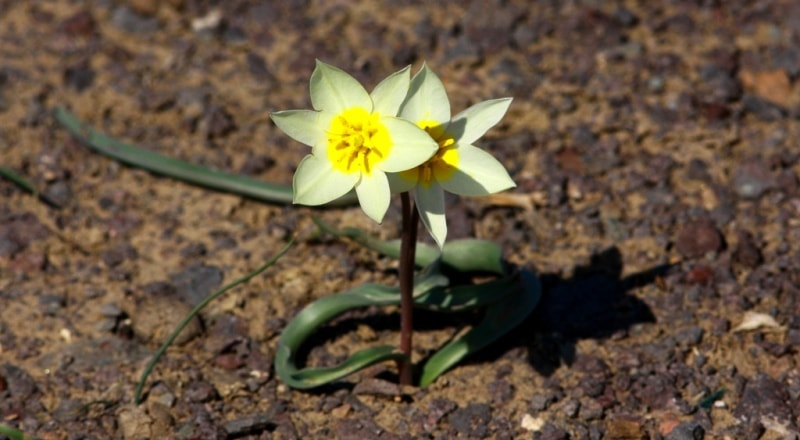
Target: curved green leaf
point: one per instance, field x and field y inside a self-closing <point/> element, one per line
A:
<point x="501" y="317"/>
<point x="176" y="168"/>
<point x="467" y="255"/>
<point x="13" y="434"/>
<point x="431" y="295"/>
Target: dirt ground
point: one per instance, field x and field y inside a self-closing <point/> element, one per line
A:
<point x="655" y="149"/>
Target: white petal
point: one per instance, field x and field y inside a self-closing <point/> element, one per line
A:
<point x="320" y="148"/>
<point x="478" y="173"/>
<point x="317" y="183"/>
<point x="412" y="146"/>
<point x="334" y="90"/>
<point x="427" y="99"/>
<point x="373" y="195"/>
<point x="400" y="184"/>
<point x="390" y="93"/>
<point x="301" y="125"/>
<point x="430" y="203"/>
<point x="472" y="123"/>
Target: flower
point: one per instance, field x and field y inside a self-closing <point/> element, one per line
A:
<point x="355" y="139"/>
<point x="458" y="166"/>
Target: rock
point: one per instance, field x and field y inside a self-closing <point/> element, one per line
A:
<point x="697" y="238"/>
<point x="79" y="76"/>
<point x="471" y="421"/>
<point x="154" y="318"/>
<point x="133" y="422"/>
<point x="377" y="387"/>
<point x="761" y="108"/>
<point x="217" y="122"/>
<point x="199" y="391"/>
<point x="362" y="429"/>
<point x="250" y="425"/>
<point x="128" y="20"/>
<point x="628" y="428"/>
<point x="762" y="397"/>
<point x="196" y="282"/>
<point x="752" y="179"/>
<point x="686" y="431"/>
<point x="747" y="252"/>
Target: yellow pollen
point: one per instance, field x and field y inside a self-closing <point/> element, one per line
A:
<point x="443" y="164"/>
<point x="357" y="140"/>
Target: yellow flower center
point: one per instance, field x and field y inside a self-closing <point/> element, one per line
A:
<point x="443" y="164"/>
<point x="357" y="140"/>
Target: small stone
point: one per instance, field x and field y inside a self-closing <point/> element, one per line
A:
<point x="686" y="431"/>
<point x="58" y="193"/>
<point x="200" y="391"/>
<point x="79" y="24"/>
<point x="257" y="67"/>
<point x="763" y="109"/>
<point x="763" y="397"/>
<point x="70" y="410"/>
<point x="250" y="425"/>
<point x="752" y="179"/>
<point x="471" y="421"/>
<point x="377" y="387"/>
<point x="128" y="20"/>
<point x="79" y="76"/>
<point x="626" y="428"/>
<point x="747" y="252"/>
<point x="196" y="282"/>
<point x="217" y="122"/>
<point x="552" y="432"/>
<point x="697" y="238"/>
<point x="570" y="408"/>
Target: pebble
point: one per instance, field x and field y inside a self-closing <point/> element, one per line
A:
<point x="257" y="67"/>
<point x="250" y="425"/>
<point x="196" y="282"/>
<point x="686" y="431"/>
<point x="217" y="122"/>
<point x="762" y="109"/>
<point x="79" y="76"/>
<point x="199" y="391"/>
<point x="747" y="252"/>
<point x="154" y="318"/>
<point x="752" y="179"/>
<point x="79" y="24"/>
<point x="765" y="396"/>
<point x="551" y="432"/>
<point x="698" y="238"/>
<point x="363" y="428"/>
<point x="59" y="193"/>
<point x="471" y="421"/>
<point x="128" y="20"/>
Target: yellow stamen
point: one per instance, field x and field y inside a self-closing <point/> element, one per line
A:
<point x="357" y="140"/>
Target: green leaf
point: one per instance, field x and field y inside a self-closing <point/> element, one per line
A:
<point x="430" y="294"/>
<point x="467" y="255"/>
<point x="13" y="434"/>
<point x="176" y="168"/>
<point x="500" y="318"/>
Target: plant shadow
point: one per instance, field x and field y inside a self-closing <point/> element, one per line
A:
<point x="594" y="304"/>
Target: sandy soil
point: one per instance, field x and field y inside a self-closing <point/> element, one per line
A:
<point x="655" y="149"/>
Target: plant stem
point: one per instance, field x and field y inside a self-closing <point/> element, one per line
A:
<point x="408" y="246"/>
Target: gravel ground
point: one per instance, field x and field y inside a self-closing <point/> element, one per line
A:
<point x="655" y="149"/>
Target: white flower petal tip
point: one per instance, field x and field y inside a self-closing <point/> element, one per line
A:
<point x="472" y="123"/>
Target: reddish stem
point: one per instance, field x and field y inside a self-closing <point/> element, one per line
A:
<point x="408" y="247"/>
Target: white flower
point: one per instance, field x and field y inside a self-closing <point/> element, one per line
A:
<point x="355" y="139"/>
<point x="458" y="166"/>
